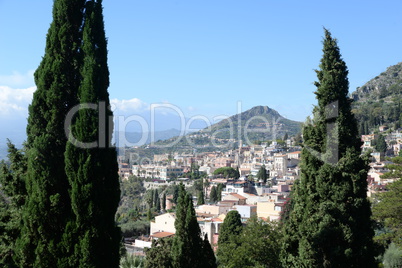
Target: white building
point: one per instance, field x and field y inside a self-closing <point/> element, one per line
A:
<point x="163" y="223"/>
<point x="161" y="172"/>
<point x="246" y="211"/>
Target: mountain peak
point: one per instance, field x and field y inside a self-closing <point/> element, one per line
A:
<point x="259" y="123"/>
<point x="262" y="110"/>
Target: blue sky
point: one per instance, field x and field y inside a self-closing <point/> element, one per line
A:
<point x="205" y="56"/>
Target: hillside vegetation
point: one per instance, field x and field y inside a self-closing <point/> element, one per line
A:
<point x="257" y="124"/>
<point x="378" y="102"/>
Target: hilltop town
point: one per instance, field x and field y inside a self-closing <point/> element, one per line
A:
<point x="248" y="192"/>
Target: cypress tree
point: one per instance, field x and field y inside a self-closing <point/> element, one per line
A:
<point x="155" y="198"/>
<point x="380" y="144"/>
<point x="164" y="201"/>
<point x="213" y="196"/>
<point x="149" y="214"/>
<point x="12" y="200"/>
<point x="200" y="199"/>
<point x="175" y="194"/>
<point x="237" y="174"/>
<point x="231" y="227"/>
<point x="47" y="207"/>
<point x="91" y="161"/>
<point x="188" y="246"/>
<point x="157" y="201"/>
<point x="262" y="174"/>
<point x="219" y="190"/>
<point x="208" y="254"/>
<point x="150" y="198"/>
<point x="229" y="233"/>
<point x="329" y="219"/>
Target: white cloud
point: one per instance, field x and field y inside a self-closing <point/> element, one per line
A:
<point x="130" y="105"/>
<point x="17" y="79"/>
<point x="15" y="102"/>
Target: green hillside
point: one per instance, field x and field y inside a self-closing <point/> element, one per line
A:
<point x="260" y="123"/>
<point x="378" y="102"/>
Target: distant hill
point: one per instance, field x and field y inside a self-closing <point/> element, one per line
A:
<point x="385" y="86"/>
<point x="260" y="123"/>
<point x="378" y="102"/>
<point x="257" y="124"/>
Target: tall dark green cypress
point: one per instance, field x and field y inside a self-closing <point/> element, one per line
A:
<point x="200" y="198"/>
<point x="12" y="200"/>
<point x="57" y="78"/>
<point x="229" y="237"/>
<point x="262" y="174"/>
<point x="157" y="200"/>
<point x="188" y="248"/>
<point x="164" y="201"/>
<point x="329" y="224"/>
<point x="213" y="196"/>
<point x="91" y="162"/>
<point x="231" y="226"/>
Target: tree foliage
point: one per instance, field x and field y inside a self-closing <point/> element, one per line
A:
<point x="48" y="206"/>
<point x="164" y="201"/>
<point x="258" y="246"/>
<point x="262" y="174"/>
<point x="227" y="172"/>
<point x="395" y="168"/>
<point x="329" y="202"/>
<point x="175" y="193"/>
<point x="228" y="240"/>
<point x="158" y="256"/>
<point x="200" y="198"/>
<point x="93" y="172"/>
<point x="157" y="200"/>
<point x="219" y="189"/>
<point x="132" y="261"/>
<point x="72" y="189"/>
<point x="213" y="195"/>
<point x="12" y="199"/>
<point x="188" y="248"/>
<point x="387" y="210"/>
<point x="393" y="257"/>
<point x="132" y="193"/>
<point x="380" y="144"/>
<point x="230" y="227"/>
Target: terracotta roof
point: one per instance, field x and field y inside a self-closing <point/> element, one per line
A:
<point x="161" y="234"/>
<point x="226" y="201"/>
<point x="238" y="196"/>
<point x="204" y="215"/>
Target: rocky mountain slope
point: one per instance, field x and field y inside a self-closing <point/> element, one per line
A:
<point x="384" y="86"/>
<point x="379" y="101"/>
<point x="256" y="124"/>
<point x="260" y="123"/>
